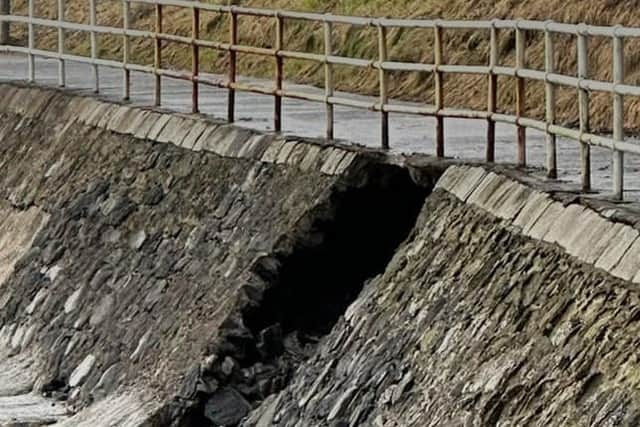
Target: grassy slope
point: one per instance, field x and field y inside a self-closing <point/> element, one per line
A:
<point x="461" y="47"/>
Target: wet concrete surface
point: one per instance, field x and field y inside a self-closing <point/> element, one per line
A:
<point x="465" y="139"/>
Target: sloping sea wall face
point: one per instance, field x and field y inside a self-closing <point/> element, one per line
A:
<point x="159" y="269"/>
<point x="148" y="260"/>
<point x="504" y="307"/>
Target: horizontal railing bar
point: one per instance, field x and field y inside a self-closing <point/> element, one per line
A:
<point x="463" y="69"/>
<point x="186" y="4"/>
<point x="572" y="29"/>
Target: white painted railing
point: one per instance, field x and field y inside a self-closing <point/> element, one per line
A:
<point x="550" y="77"/>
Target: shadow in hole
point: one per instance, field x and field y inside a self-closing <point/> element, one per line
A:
<point x="324" y="273"/>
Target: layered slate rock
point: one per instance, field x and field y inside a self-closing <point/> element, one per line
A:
<point x="492" y="313"/>
<point x="147" y="237"/>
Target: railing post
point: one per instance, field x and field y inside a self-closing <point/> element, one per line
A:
<point x="195" y="59"/>
<point x="439" y="95"/>
<point x="157" y="63"/>
<point x="277" y="114"/>
<point x="550" y="103"/>
<point x="5" y="9"/>
<point x="618" y="116"/>
<point x="233" y="39"/>
<point x="31" y="43"/>
<point x="62" y="78"/>
<point x="384" y="86"/>
<point x="94" y="45"/>
<point x="583" y="105"/>
<point x="520" y="94"/>
<point x="492" y="96"/>
<point x="328" y="80"/>
<point x="126" y="74"/>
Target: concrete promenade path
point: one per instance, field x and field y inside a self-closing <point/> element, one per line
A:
<point x="464" y="139"/>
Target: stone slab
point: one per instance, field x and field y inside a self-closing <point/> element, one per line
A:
<point x="533" y="208"/>
<point x="629" y="265"/>
<point x="490" y="186"/>
<point x="616" y="248"/>
<point x="120" y="119"/>
<point x="465" y="186"/>
<point x="285" y="152"/>
<point x="149" y="121"/>
<point x="175" y="130"/>
<point x="513" y="201"/>
<point x="545" y="221"/>
<point x="194" y="134"/>
<point x="332" y="161"/>
<point x="564" y="226"/>
<point x="109" y="112"/>
<point x="311" y="159"/>
<point x="449" y="178"/>
<point x="271" y="154"/>
<point x="583" y="243"/>
<point x="158" y="126"/>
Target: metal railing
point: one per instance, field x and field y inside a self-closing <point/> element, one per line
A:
<point x="549" y="77"/>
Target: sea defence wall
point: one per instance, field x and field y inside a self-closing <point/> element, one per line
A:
<point x="151" y="263"/>
<point x="505" y="306"/>
<point x="166" y="269"/>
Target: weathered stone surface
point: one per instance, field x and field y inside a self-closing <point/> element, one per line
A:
<point x="82" y="371"/>
<point x="535" y="206"/>
<point x="142" y="255"/>
<point x="467" y="184"/>
<point x="17" y="231"/>
<point x="629" y="264"/>
<point x="545" y="221"/>
<point x="226" y="407"/>
<point x="132" y="290"/>
<point x="616" y="248"/>
<point x="473" y="323"/>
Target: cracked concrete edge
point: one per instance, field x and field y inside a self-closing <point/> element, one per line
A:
<point x="192" y="132"/>
<point x="579" y="230"/>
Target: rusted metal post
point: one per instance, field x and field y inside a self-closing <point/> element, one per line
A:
<point x="583" y="105"/>
<point x="520" y="95"/>
<point x="5" y="9"/>
<point x="31" y="43"/>
<point x="62" y="78"/>
<point x="94" y="46"/>
<point x="126" y="48"/>
<point x="157" y="63"/>
<point x="233" y="39"/>
<point x="492" y="96"/>
<point x="439" y="90"/>
<point x="384" y="86"/>
<point x="328" y="80"/>
<point x="550" y="103"/>
<point x="277" y="114"/>
<point x="618" y="117"/>
<point x="195" y="59"/>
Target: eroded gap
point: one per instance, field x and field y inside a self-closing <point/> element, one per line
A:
<point x="308" y="287"/>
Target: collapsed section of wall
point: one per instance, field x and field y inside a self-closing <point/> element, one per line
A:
<point x="503" y="307"/>
<point x="135" y="269"/>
